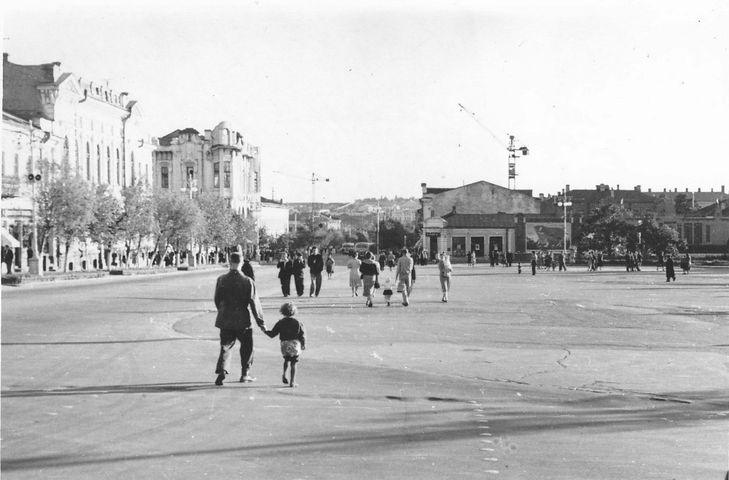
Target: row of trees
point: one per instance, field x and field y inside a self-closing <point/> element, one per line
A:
<point x="615" y="229"/>
<point x="72" y="210"/>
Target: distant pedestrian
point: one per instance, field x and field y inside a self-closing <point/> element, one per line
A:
<point x="293" y="340"/>
<point x="404" y="276"/>
<point x="382" y="260"/>
<point x="390" y="260"/>
<point x="659" y="261"/>
<point x="315" y="262"/>
<point x="329" y="263"/>
<point x="355" y="279"/>
<point x="236" y="300"/>
<point x="8" y="257"/>
<point x="247" y="269"/>
<point x="686" y="264"/>
<point x="387" y="290"/>
<point x="297" y="271"/>
<point x="670" y="272"/>
<point x="534" y="263"/>
<point x="445" y="268"/>
<point x="562" y="264"/>
<point x="285" y="269"/>
<point x="370" y="271"/>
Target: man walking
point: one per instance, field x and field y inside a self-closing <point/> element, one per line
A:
<point x="316" y="265"/>
<point x="404" y="275"/>
<point x="236" y="300"/>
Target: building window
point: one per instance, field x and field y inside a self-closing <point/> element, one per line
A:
<point x="16" y="165"/>
<point x="117" y="167"/>
<point x="688" y="232"/>
<point x="698" y="234"/>
<point x="108" y="165"/>
<point x="226" y="175"/>
<point x="255" y="182"/>
<point x="165" y="178"/>
<point x="216" y="175"/>
<point x="459" y="247"/>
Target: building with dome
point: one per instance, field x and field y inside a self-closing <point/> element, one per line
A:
<point x="218" y="160"/>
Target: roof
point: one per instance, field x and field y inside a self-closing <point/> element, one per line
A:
<point x="595" y="196"/>
<point x="20" y="88"/>
<point x="167" y="139"/>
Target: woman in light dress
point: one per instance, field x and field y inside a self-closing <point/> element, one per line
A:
<point x="445" y="268"/>
<point x="355" y="281"/>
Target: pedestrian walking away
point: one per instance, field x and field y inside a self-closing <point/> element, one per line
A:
<point x="247" y="269"/>
<point x="237" y="301"/>
<point x="370" y="271"/>
<point x="330" y="266"/>
<point x="445" y="268"/>
<point x="315" y="262"/>
<point x="534" y="263"/>
<point x="404" y="276"/>
<point x="293" y="340"/>
<point x="387" y="290"/>
<point x="355" y="279"/>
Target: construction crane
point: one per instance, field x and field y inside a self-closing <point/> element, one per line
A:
<point x="514" y="152"/>
<point x="314" y="178"/>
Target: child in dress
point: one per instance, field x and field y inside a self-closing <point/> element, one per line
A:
<point x="293" y="341"/>
<point x="387" y="291"/>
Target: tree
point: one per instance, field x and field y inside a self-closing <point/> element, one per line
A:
<point x="608" y="229"/>
<point x="106" y="221"/>
<point x="682" y="204"/>
<point x="178" y="218"/>
<point x="218" y="228"/>
<point x="393" y="233"/>
<point x="67" y="207"/>
<point x="138" y="220"/>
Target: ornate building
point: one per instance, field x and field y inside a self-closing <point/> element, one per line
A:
<point x="50" y="117"/>
<point x="218" y="161"/>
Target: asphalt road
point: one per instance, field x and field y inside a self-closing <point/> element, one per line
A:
<point x="607" y="375"/>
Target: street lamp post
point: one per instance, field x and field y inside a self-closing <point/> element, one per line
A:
<point x="314" y="179"/>
<point x="33" y="263"/>
<point x="190" y="187"/>
<point x="564" y="201"/>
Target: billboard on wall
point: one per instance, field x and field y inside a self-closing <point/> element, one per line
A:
<point x="546" y="235"/>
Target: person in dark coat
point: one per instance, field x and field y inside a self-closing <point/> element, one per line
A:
<point x="285" y="270"/>
<point x="236" y="300"/>
<point x="315" y="262"/>
<point x="247" y="269"/>
<point x="670" y="273"/>
<point x="534" y="263"/>
<point x="8" y="257"/>
<point x="297" y="271"/>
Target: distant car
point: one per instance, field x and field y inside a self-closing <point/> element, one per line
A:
<point x="347" y="248"/>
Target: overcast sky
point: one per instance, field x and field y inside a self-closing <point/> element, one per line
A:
<point x="622" y="92"/>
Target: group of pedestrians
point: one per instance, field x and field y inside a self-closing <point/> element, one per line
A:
<point x="289" y="268"/>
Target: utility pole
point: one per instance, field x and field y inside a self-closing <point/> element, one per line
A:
<point x="564" y="201"/>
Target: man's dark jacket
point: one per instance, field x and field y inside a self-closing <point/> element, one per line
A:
<point x="315" y="263"/>
<point x="235" y="294"/>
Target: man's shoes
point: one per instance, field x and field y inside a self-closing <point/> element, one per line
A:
<point x="219" y="380"/>
<point x="247" y="379"/>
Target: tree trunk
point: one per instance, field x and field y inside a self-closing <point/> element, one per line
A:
<point x="65" y="256"/>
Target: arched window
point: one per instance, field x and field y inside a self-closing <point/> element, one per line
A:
<point x="108" y="165"/>
<point x="226" y="174"/>
<point x="117" y="167"/>
<point x="216" y="175"/>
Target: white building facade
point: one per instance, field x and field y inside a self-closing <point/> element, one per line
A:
<point x="51" y="117"/>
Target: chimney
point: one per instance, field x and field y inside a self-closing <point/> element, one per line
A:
<point x="649" y="190"/>
<point x="664" y="189"/>
<point x="637" y="188"/>
<point x="567" y="188"/>
<point x="687" y="190"/>
<point x="722" y="189"/>
<point x="617" y="187"/>
<point x="675" y="190"/>
<point x="423" y="186"/>
<point x="699" y="190"/>
<point x="5" y="57"/>
<point x="541" y="196"/>
<point x="453" y="210"/>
